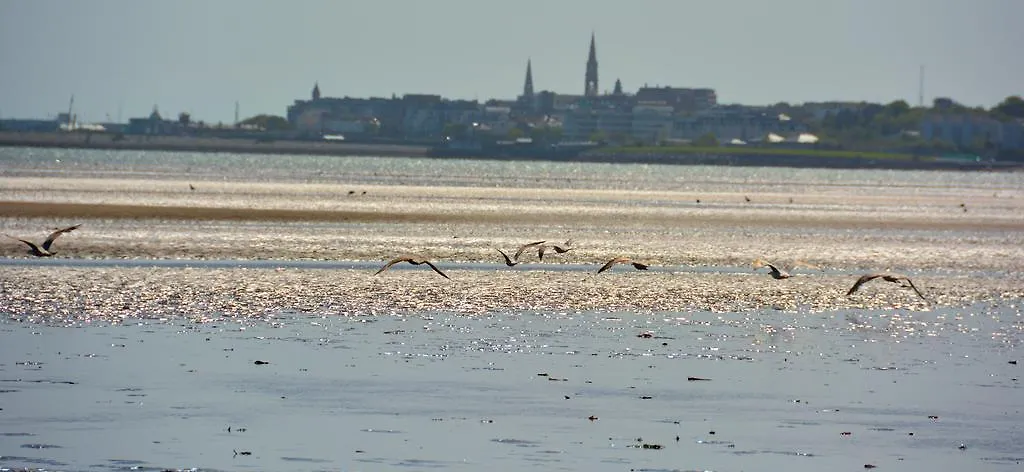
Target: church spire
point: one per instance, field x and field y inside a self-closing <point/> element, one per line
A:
<point x="618" y="88"/>
<point x="590" y="87"/>
<point x="316" y="91"/>
<point x="528" y="85"/>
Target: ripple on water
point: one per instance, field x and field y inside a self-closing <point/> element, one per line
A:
<point x="516" y="442"/>
<point x="33" y="460"/>
<point x="423" y="463"/>
<point x="40" y="446"/>
<point x="309" y="460"/>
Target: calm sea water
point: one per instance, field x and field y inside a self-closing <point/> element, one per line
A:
<point x="514" y="391"/>
<point x="519" y="391"/>
<point x="427" y="171"/>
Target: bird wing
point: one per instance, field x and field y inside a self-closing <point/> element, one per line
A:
<point x="524" y="247"/>
<point x="918" y="292"/>
<point x="778" y="272"/>
<point x="639" y="266"/>
<point x="563" y="248"/>
<point x="55" y="234"/>
<point x="30" y="244"/>
<point x="508" y="261"/>
<point x="609" y="264"/>
<point x="432" y="266"/>
<point x="391" y="263"/>
<point x="861" y="281"/>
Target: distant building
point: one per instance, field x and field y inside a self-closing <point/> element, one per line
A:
<point x="349" y="116"/>
<point x="528" y="101"/>
<point x="682" y="100"/>
<point x="590" y="80"/>
<point x="652" y="122"/>
<point x="735" y="122"/>
<point x="970" y="130"/>
<point x="26" y="125"/>
<point x="153" y="124"/>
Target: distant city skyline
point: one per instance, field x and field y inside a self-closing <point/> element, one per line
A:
<point x="119" y="58"/>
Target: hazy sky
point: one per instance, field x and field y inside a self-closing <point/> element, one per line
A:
<point x="201" y="56"/>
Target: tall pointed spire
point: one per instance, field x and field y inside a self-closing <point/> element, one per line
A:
<point x="316" y="91"/>
<point x="590" y="87"/>
<point x="528" y="85"/>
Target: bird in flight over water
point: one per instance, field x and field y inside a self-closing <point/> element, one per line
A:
<point x="508" y="260"/>
<point x="621" y="260"/>
<point x="776" y="273"/>
<point x="524" y="247"/>
<point x="896" y="278"/>
<point x="412" y="260"/>
<point x="779" y="272"/>
<point x="44" y="250"/>
<point x="559" y="248"/>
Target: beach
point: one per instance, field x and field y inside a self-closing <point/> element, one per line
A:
<point x="699" y="243"/>
<point x="225" y="312"/>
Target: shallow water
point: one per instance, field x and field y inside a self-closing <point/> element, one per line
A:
<point x="445" y="392"/>
<point x="409" y="371"/>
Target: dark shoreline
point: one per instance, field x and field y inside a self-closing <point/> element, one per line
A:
<point x="323" y="148"/>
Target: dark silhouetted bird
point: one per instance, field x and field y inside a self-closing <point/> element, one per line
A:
<point x="896" y="278"/>
<point x="508" y="260"/>
<point x="412" y="260"/>
<point x="524" y="247"/>
<point x="44" y="250"/>
<point x="558" y="248"/>
<point x="776" y="273"/>
<point x="621" y="260"/>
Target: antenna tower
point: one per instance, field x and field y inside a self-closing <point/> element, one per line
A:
<point x="71" y="106"/>
<point x="920" y="88"/>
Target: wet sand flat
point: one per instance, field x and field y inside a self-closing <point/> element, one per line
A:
<point x="957" y="256"/>
<point x="75" y="295"/>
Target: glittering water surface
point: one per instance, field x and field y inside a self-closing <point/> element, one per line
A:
<point x="135" y="348"/>
<point x="515" y="391"/>
<point x="443" y="172"/>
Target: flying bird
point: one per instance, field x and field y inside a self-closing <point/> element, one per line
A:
<point x="524" y="247"/>
<point x="44" y="250"/>
<point x="896" y="278"/>
<point x="621" y="260"/>
<point x="776" y="273"/>
<point x="782" y="272"/>
<point x="508" y="260"/>
<point x="412" y="260"/>
<point x="559" y="248"/>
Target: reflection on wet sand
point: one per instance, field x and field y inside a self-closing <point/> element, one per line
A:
<point x="240" y="326"/>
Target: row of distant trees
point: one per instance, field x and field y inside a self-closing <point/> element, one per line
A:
<point x="265" y="122"/>
<point x="885" y="126"/>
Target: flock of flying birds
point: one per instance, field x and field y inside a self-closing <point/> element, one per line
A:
<point x="43" y="250"/>
<point x="543" y="246"/>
